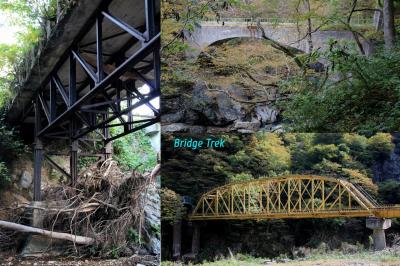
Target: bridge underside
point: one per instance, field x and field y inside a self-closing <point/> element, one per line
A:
<point x="101" y="63"/>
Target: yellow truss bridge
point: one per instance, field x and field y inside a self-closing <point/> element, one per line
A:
<point x="294" y="196"/>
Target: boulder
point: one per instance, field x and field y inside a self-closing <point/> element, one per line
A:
<point x="247" y="127"/>
<point x="266" y="114"/>
<point x="175" y="127"/>
<point x="172" y="117"/>
<point x="217" y="107"/>
<point x="183" y="128"/>
<point x="26" y="179"/>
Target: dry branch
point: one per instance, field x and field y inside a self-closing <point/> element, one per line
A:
<point x="82" y="240"/>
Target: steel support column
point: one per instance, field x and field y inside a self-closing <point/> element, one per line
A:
<point x="74" y="162"/>
<point x="107" y="145"/>
<point x="37" y="174"/>
<point x="37" y="157"/>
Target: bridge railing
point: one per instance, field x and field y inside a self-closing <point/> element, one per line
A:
<point x="356" y="20"/>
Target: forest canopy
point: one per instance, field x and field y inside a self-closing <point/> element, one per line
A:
<point x="347" y="156"/>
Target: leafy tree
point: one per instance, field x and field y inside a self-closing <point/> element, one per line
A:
<point x="264" y="155"/>
<point x="380" y="146"/>
<point x="172" y="208"/>
<point x="389" y="191"/>
<point x="364" y="99"/>
<point x="357" y="145"/>
<point x="241" y="177"/>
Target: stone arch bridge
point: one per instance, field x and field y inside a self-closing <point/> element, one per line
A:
<point x="286" y="33"/>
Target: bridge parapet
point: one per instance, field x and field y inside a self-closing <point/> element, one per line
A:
<point x="355" y="21"/>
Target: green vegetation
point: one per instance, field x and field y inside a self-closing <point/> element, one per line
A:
<point x="172" y="208"/>
<point x="389" y="191"/>
<point x="351" y="157"/>
<point x="10" y="148"/>
<point x="134" y="151"/>
<point x="29" y="20"/>
<point x="353" y="91"/>
<point x="262" y="155"/>
<point x="338" y="257"/>
<point x="364" y="99"/>
<point x="133" y="236"/>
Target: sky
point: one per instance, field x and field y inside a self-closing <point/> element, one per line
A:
<point x="144" y="109"/>
<point x="8" y="32"/>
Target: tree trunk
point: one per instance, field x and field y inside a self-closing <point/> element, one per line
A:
<point x="309" y="26"/>
<point x="388" y="24"/>
<point x="82" y="240"/>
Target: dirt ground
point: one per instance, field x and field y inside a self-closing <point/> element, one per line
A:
<point x="339" y="262"/>
<point x="134" y="260"/>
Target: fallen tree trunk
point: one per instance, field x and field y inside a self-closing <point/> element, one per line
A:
<point x="82" y="240"/>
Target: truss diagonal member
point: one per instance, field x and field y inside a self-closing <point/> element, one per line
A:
<point x="45" y="107"/>
<point x="61" y="89"/>
<point x="88" y="68"/>
<point x="134" y="32"/>
<point x="223" y="201"/>
<point x="56" y="166"/>
<point x="325" y="199"/>
<point x="364" y="202"/>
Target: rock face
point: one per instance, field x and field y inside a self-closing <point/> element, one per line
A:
<point x="389" y="168"/>
<point x="152" y="220"/>
<point x="227" y="109"/>
<point x="26" y="179"/>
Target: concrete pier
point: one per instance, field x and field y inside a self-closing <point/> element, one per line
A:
<point x="378" y="225"/>
<point x="177" y="239"/>
<point x="36" y="245"/>
<point x="196" y="239"/>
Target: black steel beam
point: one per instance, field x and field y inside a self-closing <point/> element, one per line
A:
<point x="126" y="132"/>
<point x="72" y="80"/>
<point x="53" y="106"/>
<point x="130" y="123"/>
<point x="104" y="39"/>
<point x="110" y="119"/>
<point x="133" y="59"/>
<point x="150" y="7"/>
<point x="99" y="48"/>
